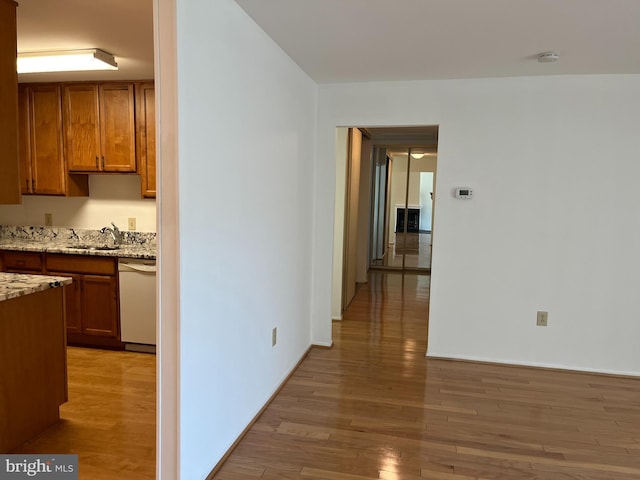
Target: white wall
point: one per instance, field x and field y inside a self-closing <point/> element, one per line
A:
<point x="111" y="198"/>
<point x="246" y="127"/>
<point x="551" y="227"/>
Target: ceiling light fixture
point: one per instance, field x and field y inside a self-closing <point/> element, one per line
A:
<point x="548" y="57"/>
<point x="417" y="155"/>
<point x="66" y="61"/>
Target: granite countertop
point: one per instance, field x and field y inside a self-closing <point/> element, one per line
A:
<point x="102" y="250"/>
<point x="77" y="242"/>
<point x="13" y="285"/>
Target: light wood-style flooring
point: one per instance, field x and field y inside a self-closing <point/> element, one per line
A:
<point x="109" y="420"/>
<point x="373" y="407"/>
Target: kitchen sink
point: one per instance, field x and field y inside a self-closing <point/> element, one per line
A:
<point x="93" y="247"/>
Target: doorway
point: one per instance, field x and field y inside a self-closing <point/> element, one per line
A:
<point x="384" y="205"/>
<point x="402" y="213"/>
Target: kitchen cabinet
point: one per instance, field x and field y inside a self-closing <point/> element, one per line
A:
<point x="73" y="304"/>
<point x="33" y="356"/>
<point x="99" y="126"/>
<point x="146" y="137"/>
<point x="92" y="305"/>
<point x="22" y="262"/>
<point x="92" y="300"/>
<point x="42" y="166"/>
<point x="100" y="300"/>
<point x="9" y="166"/>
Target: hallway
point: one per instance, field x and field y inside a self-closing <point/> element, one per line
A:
<point x="374" y="407"/>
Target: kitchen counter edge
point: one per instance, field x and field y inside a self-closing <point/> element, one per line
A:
<point x="14" y="285"/>
<point x="125" y="251"/>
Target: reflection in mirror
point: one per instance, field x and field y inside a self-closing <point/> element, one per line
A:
<point x="379" y="201"/>
<point x="402" y="208"/>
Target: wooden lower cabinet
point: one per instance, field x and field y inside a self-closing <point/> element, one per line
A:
<point x="33" y="377"/>
<point x="92" y="310"/>
<point x="100" y="298"/>
<point x="91" y="302"/>
<point x="22" y="262"/>
<point x="92" y="305"/>
<point x="73" y="302"/>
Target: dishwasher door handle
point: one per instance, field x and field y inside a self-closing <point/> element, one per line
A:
<point x="136" y="267"/>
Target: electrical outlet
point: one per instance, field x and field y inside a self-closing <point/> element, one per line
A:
<point x="48" y="219"/>
<point x="274" y="336"/>
<point x="541" y="319"/>
<point x="132" y="224"/>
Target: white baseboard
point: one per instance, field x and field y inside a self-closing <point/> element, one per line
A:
<point x="519" y="363"/>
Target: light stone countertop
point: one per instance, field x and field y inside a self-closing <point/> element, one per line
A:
<point x="139" y="245"/>
<point x="124" y="251"/>
<point x="14" y="285"/>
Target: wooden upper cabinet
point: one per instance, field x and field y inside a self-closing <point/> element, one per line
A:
<point x="24" y="149"/>
<point x="118" y="134"/>
<point x="9" y="163"/>
<point x="43" y="170"/>
<point x="82" y="132"/>
<point x="146" y="137"/>
<point x="45" y="126"/>
<point x="99" y="127"/>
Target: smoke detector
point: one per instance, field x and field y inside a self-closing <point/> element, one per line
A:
<point x="548" y="57"/>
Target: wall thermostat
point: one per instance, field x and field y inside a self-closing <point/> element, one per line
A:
<point x="464" y="192"/>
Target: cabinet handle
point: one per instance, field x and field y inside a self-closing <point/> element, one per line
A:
<point x="27" y="184"/>
<point x="103" y="162"/>
<point x="97" y="162"/>
<point x="33" y="184"/>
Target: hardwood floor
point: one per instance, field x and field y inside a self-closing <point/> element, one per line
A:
<point x="375" y="407"/>
<point x="109" y="420"/>
<point x="372" y="407"/>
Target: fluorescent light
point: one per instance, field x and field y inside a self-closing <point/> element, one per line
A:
<point x="66" y="61"/>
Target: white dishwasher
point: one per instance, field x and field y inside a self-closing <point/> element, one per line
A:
<point x="137" y="280"/>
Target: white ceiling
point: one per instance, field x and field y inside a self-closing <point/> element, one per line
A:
<point x="368" y="40"/>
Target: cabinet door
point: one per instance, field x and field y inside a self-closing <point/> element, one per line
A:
<point x="73" y="301"/>
<point x="146" y="137"/>
<point x="9" y="164"/>
<point x="117" y="128"/>
<point x="26" y="184"/>
<point x="100" y="302"/>
<point x="45" y="126"/>
<point x="82" y="130"/>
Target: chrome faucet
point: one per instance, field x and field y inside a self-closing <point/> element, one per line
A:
<point x="115" y="233"/>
